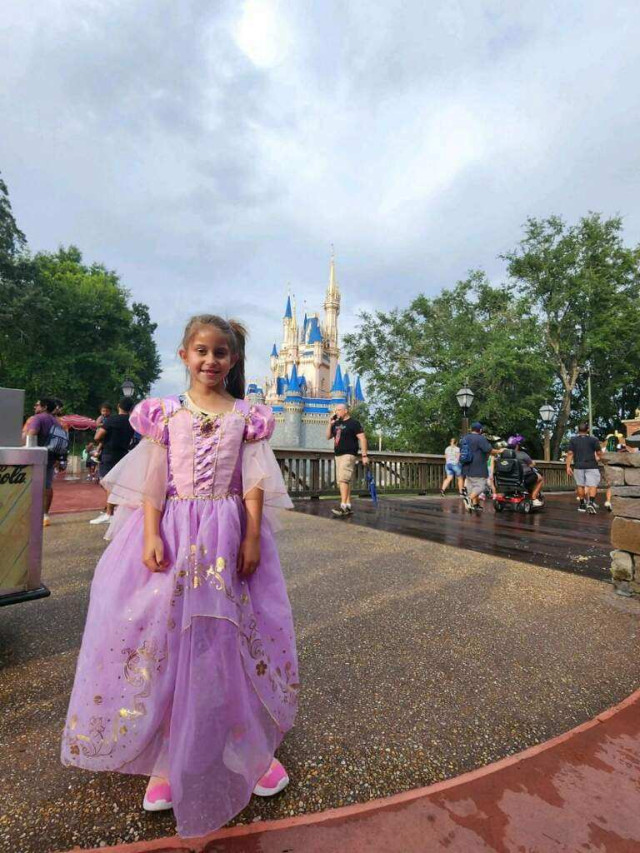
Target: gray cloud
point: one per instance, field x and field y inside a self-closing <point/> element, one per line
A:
<point x="211" y="152"/>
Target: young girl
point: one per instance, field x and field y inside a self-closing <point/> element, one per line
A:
<point x="188" y="671"/>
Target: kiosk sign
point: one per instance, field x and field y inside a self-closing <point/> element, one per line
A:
<point x="21" y="500"/>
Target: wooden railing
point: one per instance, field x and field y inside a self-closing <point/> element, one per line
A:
<point x="311" y="473"/>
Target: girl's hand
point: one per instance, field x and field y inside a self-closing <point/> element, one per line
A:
<point x="153" y="554"/>
<point x="249" y="556"/>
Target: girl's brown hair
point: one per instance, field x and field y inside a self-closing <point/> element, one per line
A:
<point x="236" y="335"/>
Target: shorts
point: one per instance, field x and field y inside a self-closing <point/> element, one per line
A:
<point x="49" y="473"/>
<point x="452" y="469"/>
<point x="589" y="477"/>
<point x="530" y="480"/>
<point x="475" y="485"/>
<point x="345" y="466"/>
<point x="604" y="480"/>
<point x="107" y="464"/>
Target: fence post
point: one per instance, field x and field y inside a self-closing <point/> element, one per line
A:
<point x="315" y="479"/>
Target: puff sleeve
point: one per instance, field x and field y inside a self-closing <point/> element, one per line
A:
<point x="142" y="474"/>
<point x="259" y="465"/>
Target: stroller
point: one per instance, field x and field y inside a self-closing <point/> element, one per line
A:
<point x="510" y="488"/>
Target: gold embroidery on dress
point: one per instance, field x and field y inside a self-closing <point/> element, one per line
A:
<point x="203" y="497"/>
<point x="155" y="441"/>
<point x="139" y="667"/>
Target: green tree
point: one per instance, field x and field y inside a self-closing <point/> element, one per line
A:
<point x="581" y="285"/>
<point x="66" y="328"/>
<point x="414" y="361"/>
<point x="12" y="240"/>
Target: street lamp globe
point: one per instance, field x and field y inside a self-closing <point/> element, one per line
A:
<point x="465" y="398"/>
<point x="547" y="414"/>
<point x="128" y="388"/>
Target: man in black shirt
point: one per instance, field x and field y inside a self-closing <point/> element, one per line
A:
<point x="346" y="433"/>
<point x="116" y="435"/>
<point x="584" y="453"/>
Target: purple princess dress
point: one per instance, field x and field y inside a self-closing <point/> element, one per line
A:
<point x="190" y="673"/>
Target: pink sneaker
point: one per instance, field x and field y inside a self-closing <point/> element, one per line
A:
<point x="273" y="781"/>
<point x="158" y="798"/>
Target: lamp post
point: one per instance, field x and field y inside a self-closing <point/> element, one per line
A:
<point x="465" y="399"/>
<point x="547" y="414"/>
<point x="128" y="388"/>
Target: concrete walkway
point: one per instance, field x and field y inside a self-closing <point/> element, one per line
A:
<point x="419" y="662"/>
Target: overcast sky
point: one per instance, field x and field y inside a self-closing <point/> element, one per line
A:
<point x="211" y="152"/>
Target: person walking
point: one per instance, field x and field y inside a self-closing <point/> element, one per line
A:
<point x="452" y="467"/>
<point x="90" y="461"/>
<point x="475" y="450"/>
<point x="346" y="433"/>
<point x="115" y="435"/>
<point x="187" y="671"/>
<point x="584" y="455"/>
<point x="43" y="429"/>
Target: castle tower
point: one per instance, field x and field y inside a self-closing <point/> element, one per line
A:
<point x="331" y="312"/>
<point x="293" y="409"/>
<point x="255" y="394"/>
<point x="338" y="392"/>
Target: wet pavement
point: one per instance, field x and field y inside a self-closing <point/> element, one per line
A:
<point x="558" y="536"/>
<point x="419" y="661"/>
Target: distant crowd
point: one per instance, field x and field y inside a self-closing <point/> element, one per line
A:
<point x="114" y="438"/>
<point x="482" y="470"/>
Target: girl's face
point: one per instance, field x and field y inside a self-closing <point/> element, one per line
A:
<point x="208" y="358"/>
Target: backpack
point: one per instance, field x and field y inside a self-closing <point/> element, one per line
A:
<point x="466" y="453"/>
<point x="57" y="442"/>
<point x="508" y="470"/>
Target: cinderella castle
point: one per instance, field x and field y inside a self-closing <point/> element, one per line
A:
<point x="306" y="380"/>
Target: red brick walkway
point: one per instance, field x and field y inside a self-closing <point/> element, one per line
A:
<point x="76" y="496"/>
<point x="577" y="792"/>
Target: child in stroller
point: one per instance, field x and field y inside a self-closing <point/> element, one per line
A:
<point x="517" y="483"/>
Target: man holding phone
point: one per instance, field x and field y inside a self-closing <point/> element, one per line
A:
<point x="347" y="434"/>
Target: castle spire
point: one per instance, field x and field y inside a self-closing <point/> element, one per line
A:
<point x="332" y="290"/>
<point x="338" y="382"/>
<point x="331" y="312"/>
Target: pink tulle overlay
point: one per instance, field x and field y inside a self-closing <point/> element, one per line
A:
<point x="260" y="468"/>
<point x="140" y="476"/>
<point x="191" y="672"/>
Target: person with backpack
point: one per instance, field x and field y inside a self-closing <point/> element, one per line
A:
<point x="45" y="430"/>
<point x="117" y="438"/>
<point x="475" y="450"/>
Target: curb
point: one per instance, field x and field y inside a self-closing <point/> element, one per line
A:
<point x="252" y="832"/>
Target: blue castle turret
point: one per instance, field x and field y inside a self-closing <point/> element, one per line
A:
<point x="358" y="396"/>
<point x="338" y="391"/>
<point x="315" y="335"/>
<point x="293" y="407"/>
